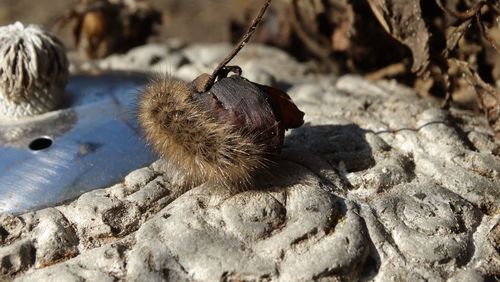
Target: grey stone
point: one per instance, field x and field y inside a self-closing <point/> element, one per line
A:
<point x="11" y="228"/>
<point x="206" y="55"/>
<point x="151" y="192"/>
<point x="158" y="58"/>
<point x="267" y="64"/>
<point x="41" y="238"/>
<point x="255" y="72"/>
<point x="190" y="72"/>
<point x="120" y="190"/>
<point x="464" y="275"/>
<point x="253" y="59"/>
<point x="246" y="236"/>
<point x="54" y="238"/>
<point x="100" y="264"/>
<point x="16" y="257"/>
<point x="428" y="223"/>
<point x="486" y="257"/>
<point x="138" y="178"/>
<point x="378" y="185"/>
<point x="86" y="214"/>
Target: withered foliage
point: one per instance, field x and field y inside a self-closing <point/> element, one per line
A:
<point x="440" y="47"/>
<point x="103" y="27"/>
<point x="403" y="20"/>
<point x="338" y="33"/>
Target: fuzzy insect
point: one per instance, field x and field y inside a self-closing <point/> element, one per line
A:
<point x="218" y="128"/>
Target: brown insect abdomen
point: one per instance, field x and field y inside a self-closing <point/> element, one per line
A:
<point x="252" y="110"/>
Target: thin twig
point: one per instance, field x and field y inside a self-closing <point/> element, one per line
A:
<point x="467" y="14"/>
<point x="495" y="6"/>
<point x="486" y="34"/>
<point x="450" y="88"/>
<point x="63" y="20"/>
<point x="483" y="90"/>
<point x="388" y="71"/>
<point x="455" y="36"/>
<point x="473" y="78"/>
<point x="244" y="40"/>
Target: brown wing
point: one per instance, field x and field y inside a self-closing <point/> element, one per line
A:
<point x="286" y="111"/>
<point x="240" y="103"/>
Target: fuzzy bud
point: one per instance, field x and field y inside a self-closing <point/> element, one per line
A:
<point x="33" y="71"/>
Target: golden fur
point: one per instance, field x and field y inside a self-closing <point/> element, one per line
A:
<point x="189" y="137"/>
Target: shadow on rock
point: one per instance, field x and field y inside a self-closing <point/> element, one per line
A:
<point x="342" y="146"/>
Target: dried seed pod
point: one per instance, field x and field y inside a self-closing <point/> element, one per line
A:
<point x="217" y="129"/>
<point x="103" y="27"/>
<point x="33" y="71"/>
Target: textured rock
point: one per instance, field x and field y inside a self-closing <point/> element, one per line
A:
<point x="377" y="185"/>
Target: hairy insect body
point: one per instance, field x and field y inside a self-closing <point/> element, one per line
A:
<point x="217" y="129"/>
<point x="186" y="133"/>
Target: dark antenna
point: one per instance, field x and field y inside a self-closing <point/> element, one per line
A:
<point x="243" y="41"/>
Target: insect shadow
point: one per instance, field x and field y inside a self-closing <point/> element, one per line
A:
<point x="327" y="151"/>
<point x="343" y="146"/>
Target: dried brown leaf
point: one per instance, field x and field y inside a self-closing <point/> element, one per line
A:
<point x="379" y="10"/>
<point x="328" y="23"/>
<point x="403" y="20"/>
<point x="343" y="19"/>
<point x="488" y="96"/>
<point x="486" y="33"/>
<point x="454" y="37"/>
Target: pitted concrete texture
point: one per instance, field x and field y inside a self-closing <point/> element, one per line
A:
<point x="378" y="185"/>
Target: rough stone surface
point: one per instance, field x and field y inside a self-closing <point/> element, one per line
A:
<point x="378" y="185"/>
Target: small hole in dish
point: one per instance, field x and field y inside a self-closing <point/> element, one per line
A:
<point x="40" y="143"/>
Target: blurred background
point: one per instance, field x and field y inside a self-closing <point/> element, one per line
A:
<point x="444" y="49"/>
<point x="188" y="20"/>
